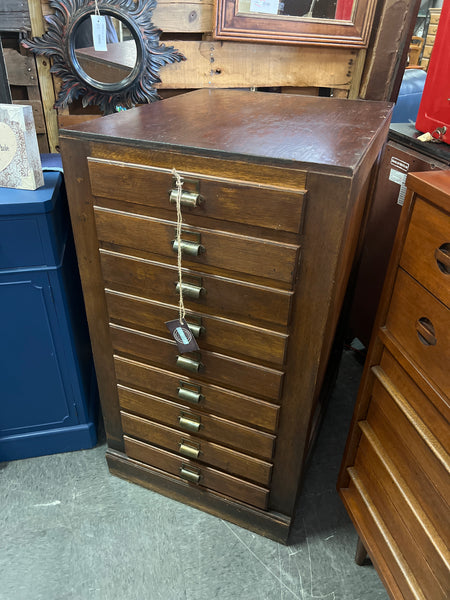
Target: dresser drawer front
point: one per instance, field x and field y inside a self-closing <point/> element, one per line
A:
<point x="220" y="296"/>
<point x="213" y="428"/>
<point x="222" y="199"/>
<point x="419" y="543"/>
<point x="197" y="449"/>
<point x="435" y="415"/>
<point x="421" y="324"/>
<point x="210" y="398"/>
<point x="426" y="254"/>
<point x="215" y="334"/>
<point x="421" y="461"/>
<point x="207" y="477"/>
<point x="217" y="368"/>
<point x="225" y="251"/>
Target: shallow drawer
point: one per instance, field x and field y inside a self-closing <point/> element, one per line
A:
<point x="213" y="333"/>
<point x="207" y="397"/>
<point x="380" y="541"/>
<point x="218" y="296"/>
<point x="421" y="461"/>
<point x="201" y="424"/>
<point x="421" y="324"/>
<point x="203" y="476"/>
<point x="217" y="368"/>
<point x="426" y="253"/>
<point x="224" y="251"/>
<point x="435" y="414"/>
<point x="222" y="199"/>
<point x="421" y="545"/>
<point x="197" y="449"/>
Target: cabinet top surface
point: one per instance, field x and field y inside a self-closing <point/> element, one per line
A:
<point x="15" y="201"/>
<point x="433" y="185"/>
<point x="239" y="124"/>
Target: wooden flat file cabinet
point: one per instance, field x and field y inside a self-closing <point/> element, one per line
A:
<point x="395" y="475"/>
<point x="274" y="193"/>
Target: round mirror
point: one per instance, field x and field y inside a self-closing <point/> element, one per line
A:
<point x="101" y="68"/>
<point x="124" y="74"/>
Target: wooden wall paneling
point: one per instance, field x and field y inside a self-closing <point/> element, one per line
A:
<point x="47" y="91"/>
<point x="388" y="48"/>
<point x="233" y="64"/>
<point x="5" y="92"/>
<point x="22" y="73"/>
<point x="184" y="16"/>
<point x="14" y="15"/>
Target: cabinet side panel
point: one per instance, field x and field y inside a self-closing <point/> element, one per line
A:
<point x="74" y="153"/>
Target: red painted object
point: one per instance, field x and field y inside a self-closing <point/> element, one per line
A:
<point x="434" y="110"/>
<point x="344" y="10"/>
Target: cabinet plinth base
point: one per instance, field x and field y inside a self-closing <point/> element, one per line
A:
<point x="269" y="524"/>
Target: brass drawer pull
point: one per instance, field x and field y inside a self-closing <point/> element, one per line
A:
<point x="425" y="331"/>
<point x="188" y="247"/>
<point x="189" y="450"/>
<point x="190" y="474"/>
<point x="190" y="291"/>
<point x="188" y="199"/>
<point x="190" y="394"/>
<point x="189" y="364"/>
<point x="442" y="256"/>
<point x="196" y="328"/>
<point x="189" y="423"/>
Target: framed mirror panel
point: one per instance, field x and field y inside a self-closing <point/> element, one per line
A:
<point x="344" y="23"/>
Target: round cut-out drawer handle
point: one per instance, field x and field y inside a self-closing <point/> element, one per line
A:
<point x="189" y="423"/>
<point x="189" y="450"/>
<point x="190" y="474"/>
<point x="190" y="291"/>
<point x="425" y="332"/>
<point x="442" y="256"/>
<point x="188" y="199"/>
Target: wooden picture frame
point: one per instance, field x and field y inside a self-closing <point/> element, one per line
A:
<point x="351" y="30"/>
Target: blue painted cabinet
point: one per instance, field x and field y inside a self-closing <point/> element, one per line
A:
<point x="48" y="393"/>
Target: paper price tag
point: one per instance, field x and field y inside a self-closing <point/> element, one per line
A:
<point x="99" y="32"/>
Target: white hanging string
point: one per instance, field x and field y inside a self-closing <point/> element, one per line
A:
<point x="179" y="183"/>
<point x="96" y="10"/>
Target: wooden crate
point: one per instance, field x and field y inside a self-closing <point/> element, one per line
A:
<point x="30" y="76"/>
<point x="435" y="14"/>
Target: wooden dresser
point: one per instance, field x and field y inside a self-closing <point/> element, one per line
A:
<point x="274" y="194"/>
<point x="395" y="479"/>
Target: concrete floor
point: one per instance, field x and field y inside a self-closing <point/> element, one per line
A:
<point x="70" y="530"/>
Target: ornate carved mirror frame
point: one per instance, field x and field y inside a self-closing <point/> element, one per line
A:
<point x="231" y="23"/>
<point x="58" y="43"/>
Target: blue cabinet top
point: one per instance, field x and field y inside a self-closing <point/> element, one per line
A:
<point x="42" y="200"/>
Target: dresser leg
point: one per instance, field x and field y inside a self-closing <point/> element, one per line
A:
<point x="361" y="553"/>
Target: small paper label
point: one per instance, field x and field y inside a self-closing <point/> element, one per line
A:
<point x="99" y="32"/>
<point x="400" y="178"/>
<point x="182" y="335"/>
<point x="268" y="7"/>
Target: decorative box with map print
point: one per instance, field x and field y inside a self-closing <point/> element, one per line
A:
<point x="20" y="163"/>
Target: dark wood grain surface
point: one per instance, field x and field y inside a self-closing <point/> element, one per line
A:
<point x="275" y="127"/>
<point x="284" y="182"/>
